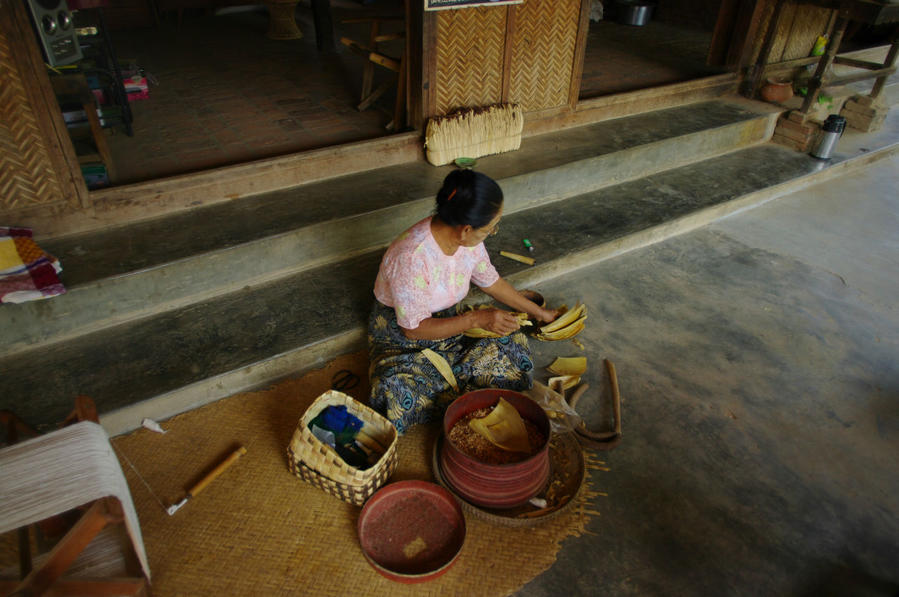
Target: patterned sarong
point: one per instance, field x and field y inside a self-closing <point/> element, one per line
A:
<point x="408" y="389"/>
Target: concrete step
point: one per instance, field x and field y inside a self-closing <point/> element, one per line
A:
<point x="144" y="269"/>
<point x="193" y="354"/>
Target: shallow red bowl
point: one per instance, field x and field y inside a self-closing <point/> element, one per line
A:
<point x="411" y="531"/>
<point x="495" y="485"/>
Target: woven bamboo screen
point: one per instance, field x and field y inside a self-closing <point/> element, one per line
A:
<point x="535" y="41"/>
<point x="543" y="45"/>
<point x="800" y="26"/>
<point x="470" y="47"/>
<point x="29" y="175"/>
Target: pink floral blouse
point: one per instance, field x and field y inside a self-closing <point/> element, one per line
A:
<point x="417" y="279"/>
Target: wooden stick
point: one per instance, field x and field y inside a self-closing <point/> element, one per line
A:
<point x="218" y="470"/>
<point x="517" y="257"/>
<point x="616" y="396"/>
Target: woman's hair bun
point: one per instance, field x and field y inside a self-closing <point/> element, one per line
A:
<point x="468" y="197"/>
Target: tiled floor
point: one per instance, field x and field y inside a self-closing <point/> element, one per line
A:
<point x="222" y="93"/>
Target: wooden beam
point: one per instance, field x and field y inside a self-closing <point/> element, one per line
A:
<point x="722" y="34"/>
<point x="889" y="61"/>
<point x="368" y="71"/>
<point x="750" y="21"/>
<point x="506" y="85"/>
<point x="756" y="73"/>
<point x="388" y="37"/>
<point x="430" y="35"/>
<point x="857" y="63"/>
<point x="370" y="19"/>
<point x="580" y="51"/>
<point x="856" y="77"/>
<point x="385" y="61"/>
<point x="603" y="108"/>
<point x="356" y="47"/>
<point x="414" y="56"/>
<point x="324" y="24"/>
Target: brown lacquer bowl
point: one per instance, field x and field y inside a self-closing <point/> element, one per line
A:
<point x="494" y="485"/>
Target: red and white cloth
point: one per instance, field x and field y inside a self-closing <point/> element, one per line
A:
<point x="27" y="273"/>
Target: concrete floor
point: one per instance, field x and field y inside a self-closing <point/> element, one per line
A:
<point x="757" y="360"/>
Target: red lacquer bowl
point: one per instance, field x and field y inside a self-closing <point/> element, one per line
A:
<point x="411" y="531"/>
<point x="494" y="485"/>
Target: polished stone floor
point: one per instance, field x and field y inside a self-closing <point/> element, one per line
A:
<point x="760" y="398"/>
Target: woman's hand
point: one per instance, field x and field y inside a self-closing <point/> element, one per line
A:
<point x="497" y="321"/>
<point x="546" y="315"/>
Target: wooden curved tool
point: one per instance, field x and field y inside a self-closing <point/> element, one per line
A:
<point x="601" y="440"/>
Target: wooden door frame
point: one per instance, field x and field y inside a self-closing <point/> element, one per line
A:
<point x="17" y="28"/>
<point x="736" y="33"/>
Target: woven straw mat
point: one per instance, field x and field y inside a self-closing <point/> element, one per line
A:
<point x="259" y="530"/>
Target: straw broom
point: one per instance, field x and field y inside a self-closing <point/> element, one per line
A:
<point x="474" y="132"/>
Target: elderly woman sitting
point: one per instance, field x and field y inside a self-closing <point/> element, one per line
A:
<point x="424" y="275"/>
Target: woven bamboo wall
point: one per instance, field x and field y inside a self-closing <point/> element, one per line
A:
<point x="800" y="26"/>
<point x="543" y="45"/>
<point x="29" y="172"/>
<point x="529" y="48"/>
<point x="470" y="47"/>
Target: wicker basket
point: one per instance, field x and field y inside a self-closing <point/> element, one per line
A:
<point x="318" y="463"/>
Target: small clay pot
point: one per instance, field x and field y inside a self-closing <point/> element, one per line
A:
<point x="534" y="296"/>
<point x="777" y="91"/>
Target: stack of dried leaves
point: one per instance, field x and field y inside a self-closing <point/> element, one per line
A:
<point x="475" y="445"/>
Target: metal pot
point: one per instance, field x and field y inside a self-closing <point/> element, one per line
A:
<point x="634" y="12"/>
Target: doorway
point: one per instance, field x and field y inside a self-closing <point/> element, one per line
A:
<point x="670" y="47"/>
<point x="222" y="93"/>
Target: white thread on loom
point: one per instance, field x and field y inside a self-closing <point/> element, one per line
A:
<point x="147" y="485"/>
<point x="60" y="471"/>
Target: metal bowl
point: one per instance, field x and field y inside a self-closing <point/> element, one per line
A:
<point x="634" y="12"/>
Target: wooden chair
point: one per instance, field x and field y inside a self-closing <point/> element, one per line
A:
<point x="69" y="483"/>
<point x="375" y="57"/>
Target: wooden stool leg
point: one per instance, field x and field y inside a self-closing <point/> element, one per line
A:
<point x="65" y="552"/>
<point x="99" y="137"/>
<point x="85" y="410"/>
<point x="368" y="71"/>
<point x="399" y="107"/>
<point x="15" y="426"/>
<point x="888" y="62"/>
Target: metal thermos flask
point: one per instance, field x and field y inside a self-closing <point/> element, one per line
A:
<point x="827" y="138"/>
